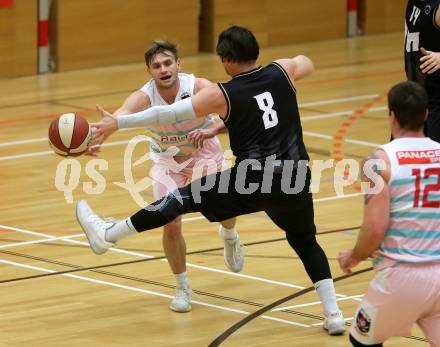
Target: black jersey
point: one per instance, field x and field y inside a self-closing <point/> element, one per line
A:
<point x="422" y="31"/>
<point x="262" y="117"/>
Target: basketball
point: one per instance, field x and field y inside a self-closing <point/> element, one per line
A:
<point x="69" y="135"/>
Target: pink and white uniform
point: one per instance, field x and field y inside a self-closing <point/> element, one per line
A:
<point x="406" y="288"/>
<point x="179" y="166"/>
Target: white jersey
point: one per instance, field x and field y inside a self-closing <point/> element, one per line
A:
<point x="166" y="136"/>
<point x="413" y="234"/>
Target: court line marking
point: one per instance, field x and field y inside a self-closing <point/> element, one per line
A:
<point x="338" y="100"/>
<point x="313" y="303"/>
<point x="39" y="154"/>
<point x="61" y="238"/>
<point x="301" y="105"/>
<point x="321" y="323"/>
<point x="116" y="143"/>
<point x="145" y="291"/>
<point x="142" y="255"/>
<point x="330" y="137"/>
<point x="339" y="114"/>
<point x="49" y="238"/>
<point x="24" y="243"/>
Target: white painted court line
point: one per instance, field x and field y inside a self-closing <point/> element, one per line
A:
<point x="363" y="143"/>
<point x="313" y="103"/>
<point x="43" y="139"/>
<point x="18" y="244"/>
<point x="318" y="324"/>
<point x="339" y="114"/>
<point x="48" y="238"/>
<point x="312" y="134"/>
<point x="338" y="197"/>
<point x="141" y="255"/>
<point x="61" y="238"/>
<point x="135" y="289"/>
<point x="39" y="154"/>
<point x="378" y="108"/>
<point x="325" y="116"/>
<point x="22" y="142"/>
<point x="27" y="155"/>
<point x="117" y="143"/>
<point x="313" y="303"/>
<point x="330" y="137"/>
<point x="339" y="100"/>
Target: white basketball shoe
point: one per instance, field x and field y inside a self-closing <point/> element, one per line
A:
<point x="233" y="252"/>
<point x="182" y="299"/>
<point x="334" y="323"/>
<point x="94" y="227"/>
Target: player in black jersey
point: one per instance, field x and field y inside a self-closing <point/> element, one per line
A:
<point x="259" y="108"/>
<point x="422" y="56"/>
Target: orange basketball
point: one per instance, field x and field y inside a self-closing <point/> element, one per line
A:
<point x="70" y="135"/>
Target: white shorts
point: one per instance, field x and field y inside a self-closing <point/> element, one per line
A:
<point x="170" y="173"/>
<point x="397" y="298"/>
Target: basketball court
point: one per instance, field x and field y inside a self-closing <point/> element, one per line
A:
<point x="56" y="292"/>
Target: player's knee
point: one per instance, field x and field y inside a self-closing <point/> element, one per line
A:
<point x="356" y="343"/>
<point x="176" y="203"/>
<point x="302" y="242"/>
<point x="173" y="228"/>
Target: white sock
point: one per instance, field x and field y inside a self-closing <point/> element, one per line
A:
<point x="120" y="230"/>
<point x="229" y="234"/>
<point x="182" y="280"/>
<point x="326" y="292"/>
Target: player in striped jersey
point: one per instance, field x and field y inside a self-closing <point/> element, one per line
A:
<point x="170" y="172"/>
<point x="401" y="229"/>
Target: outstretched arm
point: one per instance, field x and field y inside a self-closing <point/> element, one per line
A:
<point x="135" y="102"/>
<point x="208" y="100"/>
<point x="297" y="67"/>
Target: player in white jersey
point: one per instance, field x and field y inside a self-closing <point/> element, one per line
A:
<point x="401" y="229"/>
<point x="167" y="86"/>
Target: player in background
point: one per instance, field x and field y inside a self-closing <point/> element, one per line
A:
<point x="422" y="56"/>
<point x="401" y="229"/>
<point x="259" y="108"/>
<point x="166" y="86"/>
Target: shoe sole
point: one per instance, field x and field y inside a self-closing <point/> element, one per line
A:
<point x="340" y="331"/>
<point x="337" y="332"/>
<point x="179" y="310"/>
<point x="230" y="268"/>
<point x="89" y="238"/>
<point x="224" y="253"/>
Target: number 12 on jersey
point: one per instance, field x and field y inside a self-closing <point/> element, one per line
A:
<point x="265" y="103"/>
<point x="434" y="171"/>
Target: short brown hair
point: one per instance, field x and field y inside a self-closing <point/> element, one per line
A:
<point x="409" y="102"/>
<point x="160" y="46"/>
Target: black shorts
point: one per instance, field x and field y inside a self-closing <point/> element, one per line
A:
<point x="432" y="124"/>
<point x="282" y="198"/>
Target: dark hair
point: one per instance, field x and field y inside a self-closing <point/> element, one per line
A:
<point x="237" y="44"/>
<point x="160" y="46"/>
<point x="409" y="102"/>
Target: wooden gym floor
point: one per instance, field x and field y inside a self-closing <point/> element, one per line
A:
<point x="44" y="303"/>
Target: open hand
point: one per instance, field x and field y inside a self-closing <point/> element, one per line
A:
<point x="430" y="61"/>
<point x="198" y="136"/>
<point x="101" y="131"/>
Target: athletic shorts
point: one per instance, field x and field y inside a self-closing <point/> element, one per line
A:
<point x="170" y="173"/>
<point x="432" y="124"/>
<point x="231" y="193"/>
<point x="397" y="298"/>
